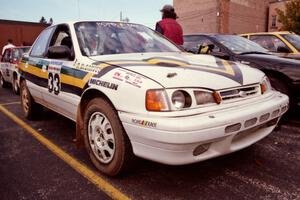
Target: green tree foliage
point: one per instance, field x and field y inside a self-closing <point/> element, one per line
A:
<point x="50" y="21"/>
<point x="290" y="18"/>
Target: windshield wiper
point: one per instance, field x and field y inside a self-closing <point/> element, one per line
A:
<point x="254" y="52"/>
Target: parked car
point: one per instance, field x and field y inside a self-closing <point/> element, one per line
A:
<point x="132" y="92"/>
<point x="9" y="67"/>
<point x="284" y="43"/>
<point x="283" y="73"/>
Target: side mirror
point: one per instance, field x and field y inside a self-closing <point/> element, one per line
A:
<point x="282" y="49"/>
<point x="59" y="52"/>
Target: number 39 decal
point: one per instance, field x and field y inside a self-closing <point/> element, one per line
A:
<point x="53" y="83"/>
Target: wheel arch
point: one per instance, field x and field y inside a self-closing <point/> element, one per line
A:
<point x="87" y="95"/>
<point x="279" y="75"/>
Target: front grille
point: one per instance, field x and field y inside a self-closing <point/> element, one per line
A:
<point x="240" y="93"/>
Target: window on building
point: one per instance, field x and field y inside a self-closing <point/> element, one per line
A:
<point x="274" y="20"/>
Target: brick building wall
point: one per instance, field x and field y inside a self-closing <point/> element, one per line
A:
<point x="222" y="16"/>
<point x="20" y="32"/>
<point x="197" y="15"/>
<point x="248" y="16"/>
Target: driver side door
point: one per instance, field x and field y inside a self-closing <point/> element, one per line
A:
<point x="58" y="95"/>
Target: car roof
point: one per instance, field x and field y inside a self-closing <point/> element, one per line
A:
<point x="103" y="21"/>
<point x="269" y="33"/>
<point x="209" y="34"/>
<point x="20" y="47"/>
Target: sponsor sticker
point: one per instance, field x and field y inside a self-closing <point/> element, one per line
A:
<point x="105" y="84"/>
<point x="129" y="77"/>
<point x="144" y="123"/>
<point x="87" y="67"/>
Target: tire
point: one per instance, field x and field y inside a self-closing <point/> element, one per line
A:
<point x="29" y="107"/>
<point x="105" y="138"/>
<point x="3" y="83"/>
<point x="15" y="85"/>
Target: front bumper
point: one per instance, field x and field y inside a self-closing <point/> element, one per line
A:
<point x="190" y="139"/>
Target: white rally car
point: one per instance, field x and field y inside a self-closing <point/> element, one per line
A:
<point x="9" y="67"/>
<point x="132" y="92"/>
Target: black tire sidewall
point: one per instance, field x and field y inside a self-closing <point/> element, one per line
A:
<point x="117" y="163"/>
<point x="15" y="84"/>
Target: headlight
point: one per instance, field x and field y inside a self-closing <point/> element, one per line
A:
<point x="265" y="85"/>
<point x="156" y="100"/>
<point x="181" y="99"/>
<point x="204" y="97"/>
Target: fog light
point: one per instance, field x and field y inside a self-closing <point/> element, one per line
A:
<point x="264" y="117"/>
<point x="201" y="149"/>
<point x="284" y="109"/>
<point x="275" y="113"/>
<point x="272" y="122"/>
<point x="250" y="122"/>
<point x="233" y="128"/>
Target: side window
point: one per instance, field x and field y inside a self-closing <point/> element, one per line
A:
<point x="61" y="37"/>
<point x="7" y="55"/>
<point x="193" y="43"/>
<point x="207" y="43"/>
<point x="40" y="46"/>
<point x="16" y="54"/>
<point x="269" y="42"/>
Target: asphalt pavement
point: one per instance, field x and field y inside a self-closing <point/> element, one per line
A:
<point x="268" y="169"/>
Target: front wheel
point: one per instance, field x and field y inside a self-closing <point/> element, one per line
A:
<point x="105" y="138"/>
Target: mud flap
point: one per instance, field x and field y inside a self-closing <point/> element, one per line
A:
<point x="79" y="129"/>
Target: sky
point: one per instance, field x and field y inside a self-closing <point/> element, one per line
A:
<point x="144" y="12"/>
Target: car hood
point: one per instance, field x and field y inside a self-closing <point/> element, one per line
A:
<point x="268" y="59"/>
<point x="184" y="69"/>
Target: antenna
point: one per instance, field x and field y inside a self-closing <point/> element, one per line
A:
<point x="78" y="9"/>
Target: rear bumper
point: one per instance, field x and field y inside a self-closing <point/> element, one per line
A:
<point x="190" y="139"/>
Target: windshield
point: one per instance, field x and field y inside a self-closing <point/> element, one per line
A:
<point x="293" y="39"/>
<point x="239" y="45"/>
<point x="102" y="38"/>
